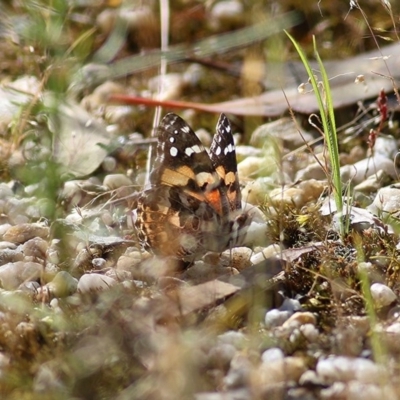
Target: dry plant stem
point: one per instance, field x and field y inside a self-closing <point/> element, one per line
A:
<point x="126" y="99"/>
<point x="164" y="17"/>
<point x="306" y="144"/>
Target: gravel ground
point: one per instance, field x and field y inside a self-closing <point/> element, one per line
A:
<point x="297" y="311"/>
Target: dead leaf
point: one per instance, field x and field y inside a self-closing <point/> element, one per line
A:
<point x="79" y="141"/>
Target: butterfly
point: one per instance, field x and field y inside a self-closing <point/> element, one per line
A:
<point x="193" y="204"/>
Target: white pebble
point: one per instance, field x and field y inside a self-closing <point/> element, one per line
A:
<point x="99" y="263"/>
<point x="272" y="355"/>
<point x="382" y="295"/>
<point x="229" y="12"/>
<point x="109" y="164"/>
<point x="234" y="338"/>
<point x="274" y="318"/>
<point x="13" y="274"/>
<point x="344" y="369"/>
<point x="115" y="181"/>
<point x="358" y="390"/>
<point x="291" y="305"/>
<point x="272" y="250"/>
<point x="310" y="332"/>
<point x="89" y="283"/>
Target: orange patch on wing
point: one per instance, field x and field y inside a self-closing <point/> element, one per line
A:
<point x="178" y="177"/>
<point x="221" y="171"/>
<point x="214" y="198"/>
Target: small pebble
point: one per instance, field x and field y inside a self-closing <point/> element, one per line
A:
<point x="13" y="274"/>
<point x="386" y="146"/>
<point x="387" y="200"/>
<point x="311" y="171"/>
<point x="309" y="378"/>
<point x="300" y="318"/>
<point x="23" y="232"/>
<point x="115" y="181"/>
<point x="358" y="172"/>
<point x="221" y="355"/>
<point x="5" y="191"/>
<point x="344" y="369"/>
<point x="36" y="247"/>
<point x="290" y="305"/>
<point x="300" y="195"/>
<point x="274" y="318"/>
<point x="310" y="332"/>
<point x="226" y="14"/>
<point x="109" y="164"/>
<point x="390" y="336"/>
<point x="272" y="250"/>
<point x="89" y="283"/>
<point x="236" y="339"/>
<point x="272" y="355"/>
<point x="255" y="191"/>
<point x="252" y="167"/>
<point x="238" y="258"/>
<point x="373" y="183"/>
<point x="128" y="262"/>
<point x="99" y="263"/>
<point x="30" y="287"/>
<point x="359" y="390"/>
<point x="288" y="369"/>
<point x="239" y="372"/>
<point x="63" y="285"/>
<point x="382" y="295"/>
<point x="10" y="255"/>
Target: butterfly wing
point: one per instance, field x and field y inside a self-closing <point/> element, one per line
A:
<point x="223" y="158"/>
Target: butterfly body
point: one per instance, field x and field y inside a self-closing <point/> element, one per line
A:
<point x="193" y="204"/>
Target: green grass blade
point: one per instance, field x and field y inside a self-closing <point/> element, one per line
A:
<point x="330" y="133"/>
<point x="325" y="105"/>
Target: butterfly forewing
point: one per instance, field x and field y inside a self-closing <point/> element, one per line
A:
<point x="180" y="153"/>
<point x="223" y="158"/>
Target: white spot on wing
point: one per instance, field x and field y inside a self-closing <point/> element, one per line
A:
<point x="197" y="149"/>
<point x="189" y="151"/>
<point x="173" y="151"/>
<point x="172" y="139"/>
<point x="218" y="151"/>
<point x="186" y="129"/>
<point x="229" y="149"/>
<point x="194" y="149"/>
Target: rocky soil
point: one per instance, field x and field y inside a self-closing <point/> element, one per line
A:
<point x="300" y="312"/>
